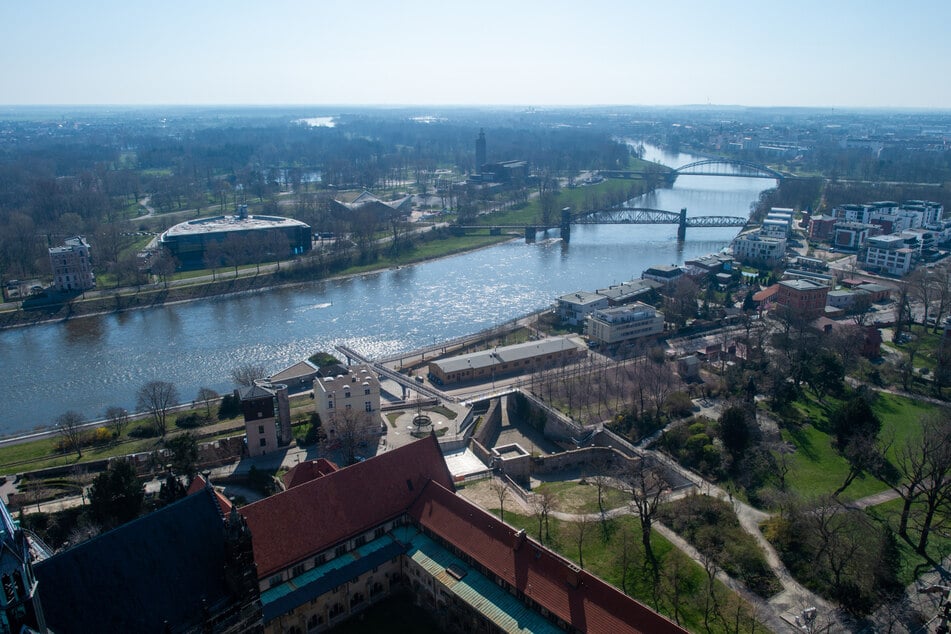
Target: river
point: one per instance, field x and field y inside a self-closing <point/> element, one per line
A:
<point x="93" y="363"/>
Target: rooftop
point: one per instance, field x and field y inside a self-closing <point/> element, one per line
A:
<point x="227" y="224"/>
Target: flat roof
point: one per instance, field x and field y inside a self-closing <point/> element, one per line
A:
<point x="227" y="224"/>
<point x="517" y="352"/>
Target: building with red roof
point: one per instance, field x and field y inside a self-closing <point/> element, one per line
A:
<point x="330" y="546"/>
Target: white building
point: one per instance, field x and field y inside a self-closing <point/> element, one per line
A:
<point x="624" y="323"/>
<point x="574" y="308"/>
<point x="755" y="248"/>
<point x="72" y="266"/>
<point x="348" y="403"/>
<point x="890" y="254"/>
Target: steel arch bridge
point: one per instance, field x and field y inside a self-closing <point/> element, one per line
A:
<point x="727" y="167"/>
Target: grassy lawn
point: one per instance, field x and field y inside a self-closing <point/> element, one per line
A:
<point x="817" y="469"/>
<point x="601" y="549"/>
<point x="574" y="497"/>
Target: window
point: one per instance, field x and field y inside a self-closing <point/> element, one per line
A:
<point x="260" y="429"/>
<point x="320" y="559"/>
<point x="263" y="442"/>
<point x="368" y="406"/>
<point x="346" y="394"/>
<point x="366" y="391"/>
<point x="340" y="550"/>
<point x="349" y="406"/>
<point x="275" y="580"/>
<point x="361" y="540"/>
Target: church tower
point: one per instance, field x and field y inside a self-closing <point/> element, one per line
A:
<point x="480" y="151"/>
<point x="19" y="601"/>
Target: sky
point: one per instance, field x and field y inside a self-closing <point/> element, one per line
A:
<point x="829" y="53"/>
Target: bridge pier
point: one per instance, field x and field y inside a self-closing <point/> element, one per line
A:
<point x="530" y="234"/>
<point x="682" y="226"/>
<point x="565" y="224"/>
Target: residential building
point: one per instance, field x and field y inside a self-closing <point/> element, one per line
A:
<point x="822" y="228"/>
<point x="709" y="264"/>
<point x="392" y="526"/>
<point x="72" y="266"/>
<point x="349" y="403"/>
<point x="267" y="416"/>
<point x="802" y="298"/>
<point x="757" y="249"/>
<point x="572" y="309"/>
<point x="519" y="358"/>
<point x="612" y="326"/>
<point x="852" y="235"/>
<point x="664" y="274"/>
<point x="890" y="254"/>
<point x="775" y="228"/>
<point x="627" y="292"/>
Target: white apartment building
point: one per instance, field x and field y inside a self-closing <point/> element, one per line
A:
<point x="624" y="323"/>
<point x="572" y="309"/>
<point x="755" y="248"/>
<point x="890" y="254"/>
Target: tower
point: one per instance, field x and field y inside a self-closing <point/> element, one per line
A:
<point x="19" y="601"/>
<point x="480" y="151"/>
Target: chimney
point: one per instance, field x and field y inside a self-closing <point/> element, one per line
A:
<point x="520" y="538"/>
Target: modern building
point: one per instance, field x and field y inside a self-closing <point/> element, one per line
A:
<point x="519" y="358"/>
<point x="367" y="202"/>
<point x="392" y="526"/>
<point x="890" y="254"/>
<point x="267" y="416"/>
<point x="757" y="249"/>
<point x="665" y="274"/>
<point x="349" y="403"/>
<point x="852" y="236"/>
<point x="72" y="266"/>
<point x="188" y="567"/>
<point x="627" y="292"/>
<point x="273" y="236"/>
<point x="822" y="228"/>
<point x="802" y="298"/>
<point x="613" y="326"/>
<point x="572" y="309"/>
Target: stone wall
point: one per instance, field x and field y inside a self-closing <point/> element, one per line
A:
<point x="488" y="428"/>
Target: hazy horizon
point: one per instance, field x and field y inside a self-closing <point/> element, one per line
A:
<point x="842" y="55"/>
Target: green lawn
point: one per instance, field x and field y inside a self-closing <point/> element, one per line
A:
<point x="817" y="469"/>
<point x="574" y="497"/>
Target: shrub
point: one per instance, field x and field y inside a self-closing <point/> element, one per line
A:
<point x="102" y="435"/>
<point x="190" y="421"/>
<point x="143" y="431"/>
<point x="230" y="407"/>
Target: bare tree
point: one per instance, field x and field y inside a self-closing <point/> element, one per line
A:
<point x="156" y="398"/>
<point x="69" y="426"/>
<point x="206" y="395"/>
<point x="352" y="429"/>
<point x="501" y="491"/>
<point x="646" y="488"/>
<point x="543" y="502"/>
<point x="118" y="419"/>
<point x="924" y="463"/>
<point x="246" y="373"/>
<point x="578" y="530"/>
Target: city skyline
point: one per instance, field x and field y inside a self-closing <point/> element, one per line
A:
<point x="843" y="55"/>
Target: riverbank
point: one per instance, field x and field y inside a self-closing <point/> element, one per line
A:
<point x="316" y="268"/>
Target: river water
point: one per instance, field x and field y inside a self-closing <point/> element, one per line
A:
<point x="90" y="364"/>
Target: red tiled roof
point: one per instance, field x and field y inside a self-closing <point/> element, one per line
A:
<point x="307" y="471"/>
<point x="590" y="605"/>
<point x="766" y="293"/>
<point x="306" y="519"/>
